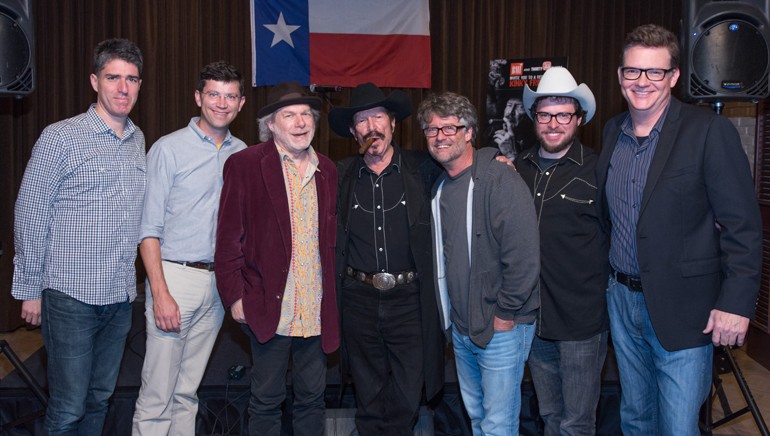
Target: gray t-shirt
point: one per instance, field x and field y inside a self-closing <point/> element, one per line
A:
<point x="454" y="200"/>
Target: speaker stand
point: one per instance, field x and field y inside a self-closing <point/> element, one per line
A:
<point x="723" y="355"/>
<point x="718" y="106"/>
<point x="5" y="348"/>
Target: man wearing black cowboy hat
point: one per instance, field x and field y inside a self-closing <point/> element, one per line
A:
<point x="275" y="260"/>
<point x="392" y="337"/>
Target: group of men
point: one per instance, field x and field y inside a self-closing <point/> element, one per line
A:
<point x="392" y="252"/>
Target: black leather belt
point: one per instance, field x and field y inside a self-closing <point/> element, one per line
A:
<point x="633" y="283"/>
<point x="382" y="281"/>
<point x="208" y="266"/>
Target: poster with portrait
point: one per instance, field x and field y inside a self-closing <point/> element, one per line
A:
<point x="508" y="126"/>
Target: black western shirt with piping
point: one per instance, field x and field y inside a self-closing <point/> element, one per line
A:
<point x="573" y="247"/>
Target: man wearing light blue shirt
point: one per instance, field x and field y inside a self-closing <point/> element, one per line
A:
<point x="183" y="309"/>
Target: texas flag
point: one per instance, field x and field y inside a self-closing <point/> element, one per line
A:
<point x="341" y="42"/>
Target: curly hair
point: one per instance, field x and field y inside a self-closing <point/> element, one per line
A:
<point x="448" y="104"/>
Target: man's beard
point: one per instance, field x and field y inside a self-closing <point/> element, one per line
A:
<point x="553" y="149"/>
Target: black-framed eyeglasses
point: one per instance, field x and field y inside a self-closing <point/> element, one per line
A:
<point x="231" y="98"/>
<point x="430" y="132"/>
<point x="561" y="117"/>
<point x="653" y="74"/>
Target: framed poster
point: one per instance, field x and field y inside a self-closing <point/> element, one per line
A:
<point x="508" y="127"/>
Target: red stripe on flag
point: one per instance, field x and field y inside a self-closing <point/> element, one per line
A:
<point x="393" y="61"/>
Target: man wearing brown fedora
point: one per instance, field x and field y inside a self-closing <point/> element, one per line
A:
<point x="392" y="340"/>
<point x="275" y="260"/>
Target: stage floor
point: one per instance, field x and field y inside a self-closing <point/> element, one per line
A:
<point x="223" y="401"/>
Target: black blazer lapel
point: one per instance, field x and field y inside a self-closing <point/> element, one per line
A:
<point x="609" y="140"/>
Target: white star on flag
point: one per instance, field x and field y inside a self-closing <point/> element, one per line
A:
<point x="281" y="31"/>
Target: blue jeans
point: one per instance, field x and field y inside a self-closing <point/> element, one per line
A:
<point x="662" y="391"/>
<point x="490" y="378"/>
<point x="567" y="379"/>
<point x="85" y="346"/>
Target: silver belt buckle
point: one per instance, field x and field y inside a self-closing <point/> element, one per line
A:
<point x="383" y="281"/>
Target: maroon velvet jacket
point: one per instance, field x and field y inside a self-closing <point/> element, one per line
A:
<point x="253" y="247"/>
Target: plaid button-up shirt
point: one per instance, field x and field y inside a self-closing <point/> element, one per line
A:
<point x="78" y="212"/>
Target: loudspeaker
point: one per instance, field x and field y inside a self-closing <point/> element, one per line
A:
<point x="725" y="49"/>
<point x="17" y="48"/>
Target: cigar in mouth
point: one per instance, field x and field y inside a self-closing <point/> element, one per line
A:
<point x="365" y="146"/>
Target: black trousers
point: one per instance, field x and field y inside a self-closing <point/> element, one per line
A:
<point x="383" y="338"/>
<point x="270" y="362"/>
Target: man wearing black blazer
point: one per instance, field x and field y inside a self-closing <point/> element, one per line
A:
<point x="676" y="192"/>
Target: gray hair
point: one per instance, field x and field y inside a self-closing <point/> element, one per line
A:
<point x="264" y="132"/>
<point x="116" y="48"/>
<point x="448" y="104"/>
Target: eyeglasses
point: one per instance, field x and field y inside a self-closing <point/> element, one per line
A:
<point x="231" y="98"/>
<point x="653" y="74"/>
<point x="561" y="117"/>
<point x="430" y="132"/>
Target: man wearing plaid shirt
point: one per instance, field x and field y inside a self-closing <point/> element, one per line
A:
<point x="76" y="232"/>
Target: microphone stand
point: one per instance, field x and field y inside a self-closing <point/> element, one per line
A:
<point x="25" y="375"/>
<point x="724" y="355"/>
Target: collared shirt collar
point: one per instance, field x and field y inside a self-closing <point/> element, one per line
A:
<point x="575" y="154"/>
<point x="194" y="125"/>
<point x="99" y="125"/>
<point x="627" y="126"/>
<point x="312" y="163"/>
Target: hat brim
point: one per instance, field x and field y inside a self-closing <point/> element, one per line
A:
<point x="582" y="94"/>
<point x="341" y="118"/>
<point x="312" y="101"/>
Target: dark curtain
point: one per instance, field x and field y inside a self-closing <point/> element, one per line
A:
<point x="179" y="36"/>
<point x="758" y="347"/>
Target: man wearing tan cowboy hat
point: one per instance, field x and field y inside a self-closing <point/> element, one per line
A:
<point x="571" y="343"/>
<point x="275" y="260"/>
<point x="390" y="328"/>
